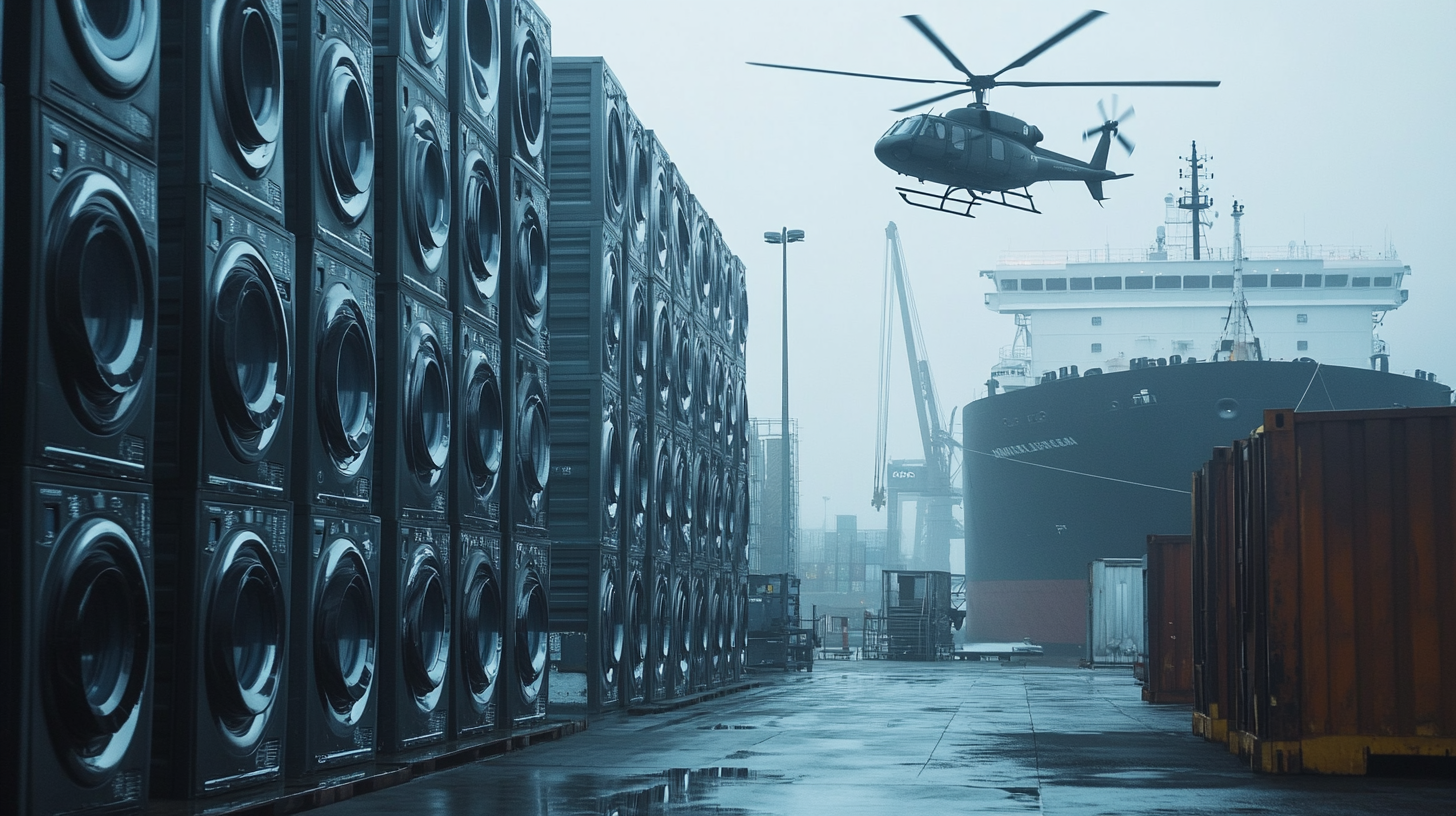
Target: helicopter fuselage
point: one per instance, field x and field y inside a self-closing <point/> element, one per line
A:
<point x="977" y="149"/>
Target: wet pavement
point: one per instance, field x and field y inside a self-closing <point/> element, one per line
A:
<point x="886" y="738"/>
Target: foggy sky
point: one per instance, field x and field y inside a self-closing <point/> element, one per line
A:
<point x="1334" y="125"/>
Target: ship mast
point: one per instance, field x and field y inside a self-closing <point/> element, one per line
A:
<point x="1240" y="343"/>
<point x="1195" y="201"/>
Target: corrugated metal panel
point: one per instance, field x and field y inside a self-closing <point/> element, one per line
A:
<point x="1349" y="581"/>
<point x="1213" y="597"/>
<point x="1115" y="617"/>
<point x="1170" y="619"/>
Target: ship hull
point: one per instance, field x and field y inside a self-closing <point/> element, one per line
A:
<point x="1065" y="472"/>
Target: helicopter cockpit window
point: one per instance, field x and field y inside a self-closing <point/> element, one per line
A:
<point x="906" y="127"/>
<point x="957" y="137"/>
<point x="937" y="128"/>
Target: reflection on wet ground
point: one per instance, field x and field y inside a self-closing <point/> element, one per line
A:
<point x="897" y="738"/>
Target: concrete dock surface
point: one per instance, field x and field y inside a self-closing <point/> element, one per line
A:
<point x="899" y="738"/>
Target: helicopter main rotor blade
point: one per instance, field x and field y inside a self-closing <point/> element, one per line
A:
<point x="1199" y="83"/>
<point x="856" y="74"/>
<point x="924" y="29"/>
<point x="924" y="102"/>
<point x="1051" y="41"/>
<point x="1101" y="111"/>
<point x="1126" y="143"/>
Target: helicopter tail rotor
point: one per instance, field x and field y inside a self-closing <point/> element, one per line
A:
<point x="1111" y="125"/>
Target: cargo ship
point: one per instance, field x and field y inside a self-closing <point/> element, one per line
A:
<point x="1126" y="370"/>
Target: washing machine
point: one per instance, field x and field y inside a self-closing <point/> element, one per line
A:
<point x="527" y="256"/>
<point x="586" y="315"/>
<point x="476" y="239"/>
<point x="681" y="661"/>
<point x="588" y="150"/>
<point x="223" y="596"/>
<point x="82" y="290"/>
<point x="588" y="631"/>
<point x="637" y="342"/>
<point x="479" y="633"/>
<point x="96" y="61"/>
<point x="414" y="633"/>
<point x="79" y="692"/>
<point x="417" y="32"/>
<point x="584" y="505"/>
<point x="681" y="273"/>
<point x="412" y="466"/>
<point x="664" y="498"/>
<point x="226" y="350"/>
<point x="530" y="560"/>
<point x="530" y="445"/>
<point x="329" y="85"/>
<point x="222" y="66"/>
<point x="685" y="379"/>
<point x="477" y="31"/>
<point x="637" y="637"/>
<point x="414" y="162"/>
<point x="526" y="88"/>
<point x="334" y="644"/>
<point x="479" y="417"/>
<point x="702" y="630"/>
<point x="664" y="348"/>
<point x="636" y="484"/>
<point x="660" y="642"/>
<point x="659" y="220"/>
<point x="334" y="417"/>
<point x="638" y="218"/>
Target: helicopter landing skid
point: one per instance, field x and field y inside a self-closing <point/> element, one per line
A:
<point x="948" y="202"/>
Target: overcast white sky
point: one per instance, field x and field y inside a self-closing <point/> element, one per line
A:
<point x="1334" y="125"/>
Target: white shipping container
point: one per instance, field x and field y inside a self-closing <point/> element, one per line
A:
<point x="1116" y="620"/>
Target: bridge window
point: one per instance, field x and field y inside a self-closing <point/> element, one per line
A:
<point x="1056" y="284"/>
<point x="1110" y="282"/>
<point x="1097" y="321"/>
<point x="1256" y="281"/>
<point x="1031" y="284"/>
<point x="1139" y="282"/>
<point x="1195" y="281"/>
<point x="1167" y="282"/>
<point x="1302" y="345"/>
<point x="1360" y="282"/>
<point x="1223" y="281"/>
<point x="1312" y="280"/>
<point x="1096" y="348"/>
<point x="998" y="149"/>
<point x="1383" y="282"/>
<point x="1336" y="280"/>
<point x="1079" y="284"/>
<point x="1286" y="281"/>
<point x="1301" y="318"/>
<point x="1008" y="285"/>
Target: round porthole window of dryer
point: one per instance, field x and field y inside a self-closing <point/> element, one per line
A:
<point x="482" y="52"/>
<point x="346" y="380"/>
<point x="425" y="628"/>
<point x="484" y="439"/>
<point x="531" y="269"/>
<point x="344" y="638"/>
<point x="427" y="405"/>
<point x="531" y="622"/>
<point x="482" y="226"/>
<point x="245" y="621"/>
<point x="613" y="630"/>
<point x="347" y="130"/>
<point x="115" y="41"/>
<point x="251" y="352"/>
<point x="249" y="71"/>
<point x="530" y="94"/>
<point x="482" y="622"/>
<point x="427" y="28"/>
<point x="427" y="180"/>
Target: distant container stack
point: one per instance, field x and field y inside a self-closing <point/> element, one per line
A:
<point x="1323" y="637"/>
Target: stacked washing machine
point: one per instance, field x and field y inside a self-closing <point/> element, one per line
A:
<point x="80" y="360"/>
<point x="329" y="139"/>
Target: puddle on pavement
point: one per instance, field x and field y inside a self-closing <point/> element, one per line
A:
<point x="679" y="791"/>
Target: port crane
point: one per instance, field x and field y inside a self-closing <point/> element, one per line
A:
<point x="926" y="481"/>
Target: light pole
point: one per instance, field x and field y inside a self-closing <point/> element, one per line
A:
<point x="786" y="236"/>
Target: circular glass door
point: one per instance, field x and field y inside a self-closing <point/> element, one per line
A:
<point x="611" y="458"/>
<point x="427" y="28"/>
<point x="249" y="77"/>
<point x="662" y="622"/>
<point x="102" y="301"/>
<point x="616" y="161"/>
<point x="481" y="637"/>
<point x="665" y="347"/>
<point x="246" y="614"/>
<point x="534" y="450"/>
<point x="344" y="638"/>
<point x="251" y="352"/>
<point x="483" y="430"/>
<point x="531" y="269"/>
<point x="426" y="188"/>
<point x="482" y="53"/>
<point x="346" y="130"/>
<point x="482" y="225"/>
<point x="425" y="628"/>
<point x="530" y="93"/>
<point x="531" y="622"/>
<point x="638" y="486"/>
<point x="636" y="646"/>
<point x="96" y="645"/>
<point x="114" y="41"/>
<point x="666" y="496"/>
<point x="426" y="405"/>
<point x="639" y="335"/>
<point x="641" y="201"/>
<point x="682" y="623"/>
<point x="662" y="202"/>
<point x="346" y="380"/>
<point x="611" y="309"/>
<point x="613" y="631"/>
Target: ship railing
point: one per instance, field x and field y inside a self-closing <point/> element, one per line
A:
<point x="1291" y="251"/>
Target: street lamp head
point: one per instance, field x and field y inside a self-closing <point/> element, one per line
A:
<point x="773" y="237"/>
<point x="795" y="236"/>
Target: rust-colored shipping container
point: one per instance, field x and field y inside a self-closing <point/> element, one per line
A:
<point x="1214" y="605"/>
<point x="1169" y="599"/>
<point x="1348" y="590"/>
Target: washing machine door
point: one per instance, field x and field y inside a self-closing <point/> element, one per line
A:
<point x="482" y="223"/>
<point x="96" y="645"/>
<point x="666" y="496"/>
<point x="346" y="131"/>
<point x="636" y="630"/>
<point x="247" y="77"/>
<point x="482" y="624"/>
<point x="425" y="627"/>
<point x="427" y="22"/>
<point x="638" y="486"/>
<point x="613" y="632"/>
<point x="531" y="622"/>
<point x="611" y="459"/>
<point x="665" y="346"/>
<point x="682" y="624"/>
<point x="534" y="443"/>
<point x="662" y="623"/>
<point x="246" y="614"/>
<point x="484" y="437"/>
<point x="611" y="307"/>
<point x="102" y="299"/>
<point x="251" y="351"/>
<point x="345" y="379"/>
<point x="531" y="268"/>
<point x="344" y="636"/>
<point x="426" y="405"/>
<point x="482" y="53"/>
<point x="531" y="92"/>
<point x="426" y="184"/>
<point x="114" y="41"/>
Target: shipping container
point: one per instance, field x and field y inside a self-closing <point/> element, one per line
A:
<point x="1349" y="588"/>
<point x="1169" y="593"/>
<point x="1214" y="605"/>
<point x="1115" y="612"/>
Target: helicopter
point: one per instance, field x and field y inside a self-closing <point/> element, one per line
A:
<point x="982" y="156"/>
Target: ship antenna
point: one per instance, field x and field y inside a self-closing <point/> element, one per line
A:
<point x="1196" y="201"/>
